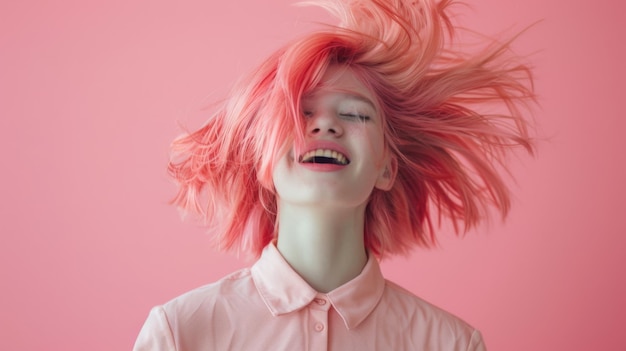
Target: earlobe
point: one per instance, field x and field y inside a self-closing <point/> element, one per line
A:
<point x="388" y="175"/>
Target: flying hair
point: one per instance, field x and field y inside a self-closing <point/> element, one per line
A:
<point x="431" y="96"/>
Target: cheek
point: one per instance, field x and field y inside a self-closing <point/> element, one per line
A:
<point x="375" y="145"/>
<point x="370" y="139"/>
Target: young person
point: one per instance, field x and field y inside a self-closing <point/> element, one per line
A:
<point x="342" y="148"/>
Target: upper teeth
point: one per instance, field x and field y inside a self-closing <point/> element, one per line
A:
<point x="325" y="153"/>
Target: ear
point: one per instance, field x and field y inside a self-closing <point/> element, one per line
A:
<point x="388" y="174"/>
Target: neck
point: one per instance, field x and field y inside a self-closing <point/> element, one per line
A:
<point x="325" y="247"/>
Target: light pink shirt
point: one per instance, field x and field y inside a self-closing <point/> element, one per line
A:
<point x="270" y="307"/>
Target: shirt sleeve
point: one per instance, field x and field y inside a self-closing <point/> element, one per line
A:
<point x="476" y="342"/>
<point x="156" y="334"/>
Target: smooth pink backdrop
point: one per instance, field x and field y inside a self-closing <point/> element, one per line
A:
<point x="90" y="96"/>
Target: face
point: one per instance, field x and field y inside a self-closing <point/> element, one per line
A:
<point x="344" y="157"/>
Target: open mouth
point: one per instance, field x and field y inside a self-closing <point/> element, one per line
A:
<point x="324" y="156"/>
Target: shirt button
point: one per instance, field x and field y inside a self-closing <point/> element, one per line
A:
<point x="319" y="327"/>
<point x="320" y="302"/>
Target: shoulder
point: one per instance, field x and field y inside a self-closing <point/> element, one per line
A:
<point x="235" y="286"/>
<point x="419" y="317"/>
<point x="195" y="319"/>
<point x="202" y="315"/>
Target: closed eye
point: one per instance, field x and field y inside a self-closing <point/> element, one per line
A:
<point x="355" y="116"/>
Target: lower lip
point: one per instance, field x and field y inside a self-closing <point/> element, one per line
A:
<point x="322" y="167"/>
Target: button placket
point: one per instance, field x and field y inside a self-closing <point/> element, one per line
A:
<point x="318" y="312"/>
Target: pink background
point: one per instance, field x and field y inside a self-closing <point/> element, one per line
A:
<point x="90" y="97"/>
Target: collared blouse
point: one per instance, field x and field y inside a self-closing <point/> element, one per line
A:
<point x="270" y="307"/>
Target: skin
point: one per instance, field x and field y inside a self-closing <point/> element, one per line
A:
<point x="321" y="208"/>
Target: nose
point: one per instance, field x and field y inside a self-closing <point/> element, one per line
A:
<point x="324" y="123"/>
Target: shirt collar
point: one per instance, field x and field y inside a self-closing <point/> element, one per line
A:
<point x="284" y="291"/>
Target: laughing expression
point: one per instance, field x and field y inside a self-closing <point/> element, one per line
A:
<point x="344" y="157"/>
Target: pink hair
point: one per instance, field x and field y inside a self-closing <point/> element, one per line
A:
<point x="449" y="154"/>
